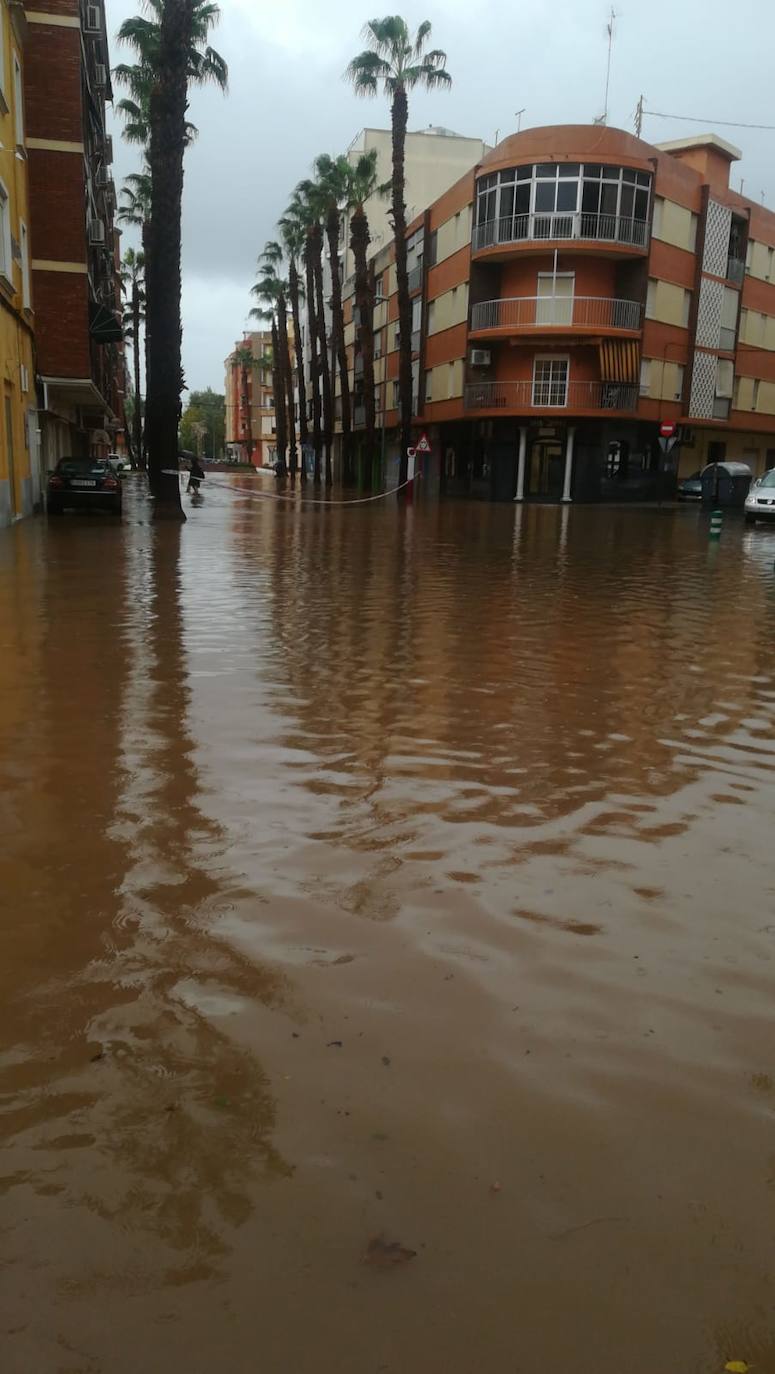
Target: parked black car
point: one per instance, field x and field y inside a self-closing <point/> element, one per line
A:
<point x="83" y="483"/>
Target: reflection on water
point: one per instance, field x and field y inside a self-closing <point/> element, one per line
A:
<point x="356" y="861"/>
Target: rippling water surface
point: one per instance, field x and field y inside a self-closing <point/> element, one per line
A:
<point x="373" y="874"/>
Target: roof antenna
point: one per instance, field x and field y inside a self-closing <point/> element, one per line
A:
<point x="518" y="116"/>
<point x="610" y="29"/>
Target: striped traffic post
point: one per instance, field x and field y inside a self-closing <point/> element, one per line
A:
<point x="716" y="518"/>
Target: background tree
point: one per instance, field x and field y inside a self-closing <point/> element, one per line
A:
<point x="293" y="236"/>
<point x="272" y="262"/>
<point x="268" y="290"/>
<point x="133" y="282"/>
<point x="362" y="185"/>
<point x="333" y="179"/>
<point x="243" y="357"/>
<point x="206" y="408"/>
<point x="398" y="62"/>
<point x="305" y="206"/>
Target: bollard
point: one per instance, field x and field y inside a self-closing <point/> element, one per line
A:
<point x="716" y="518"/>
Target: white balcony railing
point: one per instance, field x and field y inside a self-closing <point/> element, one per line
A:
<point x="576" y="225"/>
<point x="556" y="312"/>
<point x="539" y="395"/>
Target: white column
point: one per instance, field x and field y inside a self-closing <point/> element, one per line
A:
<point x="520" y="496"/>
<point x="566" y="496"/>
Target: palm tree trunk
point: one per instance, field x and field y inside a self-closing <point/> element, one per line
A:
<point x="293" y="280"/>
<point x="325" y="368"/>
<point x="337" y="329"/>
<point x="137" y="418"/>
<point x="285" y="355"/>
<point x="314" y="359"/>
<point x="146" y="236"/>
<point x="364" y="301"/>
<point x="165" y="156"/>
<point x="400" y="115"/>
<point x="278" y="387"/>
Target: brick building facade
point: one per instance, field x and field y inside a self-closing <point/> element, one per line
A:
<point x="573" y="290"/>
<point x="75" y="247"/>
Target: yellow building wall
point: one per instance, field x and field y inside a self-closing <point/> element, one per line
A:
<point x="757" y="450"/>
<point x="19" y="464"/>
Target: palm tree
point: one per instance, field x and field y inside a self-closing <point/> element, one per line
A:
<point x="167" y="120"/>
<point x="399" y="63"/>
<point x="135" y="209"/>
<point x="243" y="357"/>
<point x="205" y="65"/>
<point x="133" y="282"/>
<point x="271" y="261"/>
<point x="302" y="210"/>
<point x="334" y="181"/>
<point x="362" y="184"/>
<point x="309" y="195"/>
<point x="293" y="236"/>
<point x="268" y="290"/>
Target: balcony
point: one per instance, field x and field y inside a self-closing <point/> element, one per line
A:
<point x="535" y="395"/>
<point x="556" y="312"/>
<point x="580" y="226"/>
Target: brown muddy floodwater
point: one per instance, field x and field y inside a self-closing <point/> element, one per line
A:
<point x="404" y="876"/>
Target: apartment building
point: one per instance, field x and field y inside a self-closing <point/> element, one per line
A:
<point x="74" y="244"/>
<point x="20" y="483"/>
<point x="574" y="290"/>
<point x="251" y="424"/>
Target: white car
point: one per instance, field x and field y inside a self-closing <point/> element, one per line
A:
<point x="760" y="501"/>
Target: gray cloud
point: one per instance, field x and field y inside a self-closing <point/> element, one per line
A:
<point x="288" y="103"/>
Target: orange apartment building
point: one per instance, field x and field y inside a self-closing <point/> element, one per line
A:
<point x="251" y="424"/>
<point x="574" y="290"/>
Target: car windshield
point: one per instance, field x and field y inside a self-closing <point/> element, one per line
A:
<point x="72" y="466"/>
<point x="768" y="480"/>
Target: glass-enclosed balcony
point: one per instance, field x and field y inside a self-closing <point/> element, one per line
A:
<point x="561" y="201"/>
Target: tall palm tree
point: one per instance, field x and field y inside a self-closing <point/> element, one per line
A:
<point x="133" y="282"/>
<point x="143" y="34"/>
<point x="135" y="209"/>
<point x="309" y="196"/>
<point x="362" y="185"/>
<point x="269" y="289"/>
<point x="293" y="235"/>
<point x="333" y="176"/>
<point x="168" y="104"/>
<point x="398" y="61"/>
<point x="303" y="211"/>
<point x="243" y="357"/>
<point x="271" y="261"/>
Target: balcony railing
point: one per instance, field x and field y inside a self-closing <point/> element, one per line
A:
<point x="735" y="270"/>
<point x="556" y="312"/>
<point x="537" y="395"/>
<point x="415" y="278"/>
<point x="577" y="225"/>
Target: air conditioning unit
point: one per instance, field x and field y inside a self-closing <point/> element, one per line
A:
<point x="481" y="357"/>
<point x="103" y="177"/>
<point x="96" y="231"/>
<point x="100" y="74"/>
<point x="93" y="19"/>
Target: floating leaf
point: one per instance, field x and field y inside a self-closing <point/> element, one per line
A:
<point x="384" y="1254"/>
<point x="737" y="1367"/>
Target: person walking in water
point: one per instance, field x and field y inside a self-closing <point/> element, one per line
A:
<point x="196" y="476"/>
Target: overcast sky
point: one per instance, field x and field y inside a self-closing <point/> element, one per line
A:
<point x="287" y="103"/>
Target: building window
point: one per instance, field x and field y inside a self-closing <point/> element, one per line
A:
<point x="433" y="248"/>
<point x="728" y="332"/>
<point x="429" y="385"/>
<point x="525" y="202"/>
<point x="687" y="305"/>
<point x="550" y="382"/>
<point x="25" y="253"/>
<point x="18" y="101"/>
<point x="379" y="288"/>
<point x="679" y="381"/>
<point x="645" y="376"/>
<point x="397" y="335"/>
<point x="555" y="298"/>
<point x="378" y="338"/>
<point x="755" y="394"/>
<point x="395" y="395"/>
<point x="6" y="259"/>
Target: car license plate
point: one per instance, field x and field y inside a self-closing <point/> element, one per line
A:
<point x="79" y="482"/>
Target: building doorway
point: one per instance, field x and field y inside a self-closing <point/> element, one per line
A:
<point x="546" y="470"/>
<point x="9" y="453"/>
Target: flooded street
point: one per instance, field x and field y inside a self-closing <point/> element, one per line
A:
<point x="404" y="875"/>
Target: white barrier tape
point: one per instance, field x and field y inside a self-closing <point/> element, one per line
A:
<point x="275" y="496"/>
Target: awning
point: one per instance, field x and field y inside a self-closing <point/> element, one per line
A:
<point x="620" y="360"/>
<point x="104" y="325"/>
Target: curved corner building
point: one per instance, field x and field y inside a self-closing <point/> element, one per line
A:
<point x="575" y="290"/>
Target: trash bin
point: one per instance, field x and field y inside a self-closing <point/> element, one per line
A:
<point x="725" y="484"/>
